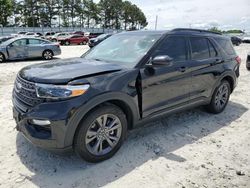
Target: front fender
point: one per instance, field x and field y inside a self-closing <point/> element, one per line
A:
<point x="83" y="110"/>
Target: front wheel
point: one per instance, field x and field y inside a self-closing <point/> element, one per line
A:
<point x="101" y="134"/>
<point x="2" y="58"/>
<point x="220" y="98"/>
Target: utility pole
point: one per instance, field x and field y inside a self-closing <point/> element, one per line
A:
<point x="156" y="22"/>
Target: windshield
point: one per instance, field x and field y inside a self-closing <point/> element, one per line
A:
<point x="126" y="50"/>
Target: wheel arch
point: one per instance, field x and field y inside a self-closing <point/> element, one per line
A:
<point x="230" y="81"/>
<point x="47" y="49"/>
<point x="121" y="100"/>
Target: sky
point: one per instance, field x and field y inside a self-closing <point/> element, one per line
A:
<point x="204" y="14"/>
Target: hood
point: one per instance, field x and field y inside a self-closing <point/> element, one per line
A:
<point x="65" y="70"/>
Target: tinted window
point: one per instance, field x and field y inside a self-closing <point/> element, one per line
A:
<point x="76" y="36"/>
<point x="212" y="50"/>
<point x="199" y="48"/>
<point x="34" y="42"/>
<point x="226" y="45"/>
<point x="174" y="47"/>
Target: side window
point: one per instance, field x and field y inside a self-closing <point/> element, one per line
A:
<point x="174" y="47"/>
<point x="75" y="37"/>
<point x="226" y="45"/>
<point x="199" y="48"/>
<point x="34" y="42"/>
<point x="21" y="42"/>
<point x="213" y="52"/>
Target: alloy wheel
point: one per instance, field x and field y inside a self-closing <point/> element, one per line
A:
<point x="1" y="58"/>
<point x="47" y="55"/>
<point x="103" y="134"/>
<point x="221" y="96"/>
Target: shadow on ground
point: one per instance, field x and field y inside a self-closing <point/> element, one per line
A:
<point x="168" y="134"/>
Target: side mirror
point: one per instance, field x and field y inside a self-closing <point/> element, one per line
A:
<point x="162" y="60"/>
<point x="9" y="46"/>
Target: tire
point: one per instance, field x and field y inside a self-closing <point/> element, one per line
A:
<point x="67" y="43"/>
<point x="90" y="133"/>
<point x="47" y="55"/>
<point x="54" y="40"/>
<point x="2" y="58"/>
<point x="220" y="98"/>
<point x="84" y="42"/>
<point x="248" y="68"/>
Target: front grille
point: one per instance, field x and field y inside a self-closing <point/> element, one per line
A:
<point x="24" y="94"/>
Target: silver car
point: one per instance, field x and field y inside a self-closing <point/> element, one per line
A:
<point x="26" y="47"/>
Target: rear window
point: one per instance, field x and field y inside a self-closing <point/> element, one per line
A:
<point x="226" y="45"/>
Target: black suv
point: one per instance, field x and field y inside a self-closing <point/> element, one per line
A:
<point x="90" y="103"/>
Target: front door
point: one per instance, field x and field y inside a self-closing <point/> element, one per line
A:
<point x="18" y="49"/>
<point x="163" y="86"/>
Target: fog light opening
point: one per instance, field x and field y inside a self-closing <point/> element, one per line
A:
<point x="40" y="122"/>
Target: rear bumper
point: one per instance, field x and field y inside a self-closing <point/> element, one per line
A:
<point x="57" y="52"/>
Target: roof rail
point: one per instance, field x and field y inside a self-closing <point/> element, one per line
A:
<point x="196" y="30"/>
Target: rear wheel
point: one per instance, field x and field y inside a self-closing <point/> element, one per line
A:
<point x="47" y="55"/>
<point x="101" y="134"/>
<point x="2" y="58"/>
<point x="84" y="42"/>
<point x="220" y="98"/>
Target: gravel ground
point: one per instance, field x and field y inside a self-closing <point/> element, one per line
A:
<point x="188" y="149"/>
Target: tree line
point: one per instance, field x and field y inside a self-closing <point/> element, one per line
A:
<point x="113" y="14"/>
<point x="235" y="31"/>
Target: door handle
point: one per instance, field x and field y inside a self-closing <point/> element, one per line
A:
<point x="218" y="61"/>
<point x="182" y="69"/>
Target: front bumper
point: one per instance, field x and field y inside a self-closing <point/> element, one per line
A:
<point x="40" y="136"/>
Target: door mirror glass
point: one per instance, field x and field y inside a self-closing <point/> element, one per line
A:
<point x="162" y="60"/>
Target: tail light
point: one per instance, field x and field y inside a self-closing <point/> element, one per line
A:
<point x="238" y="59"/>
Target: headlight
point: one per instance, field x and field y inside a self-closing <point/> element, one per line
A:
<point x="60" y="91"/>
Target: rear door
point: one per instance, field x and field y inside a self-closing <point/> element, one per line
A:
<point x="35" y="49"/>
<point x="164" y="87"/>
<point x="205" y="66"/>
<point x="18" y="49"/>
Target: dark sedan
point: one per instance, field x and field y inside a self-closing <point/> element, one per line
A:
<point x="94" y="41"/>
<point x="24" y="48"/>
